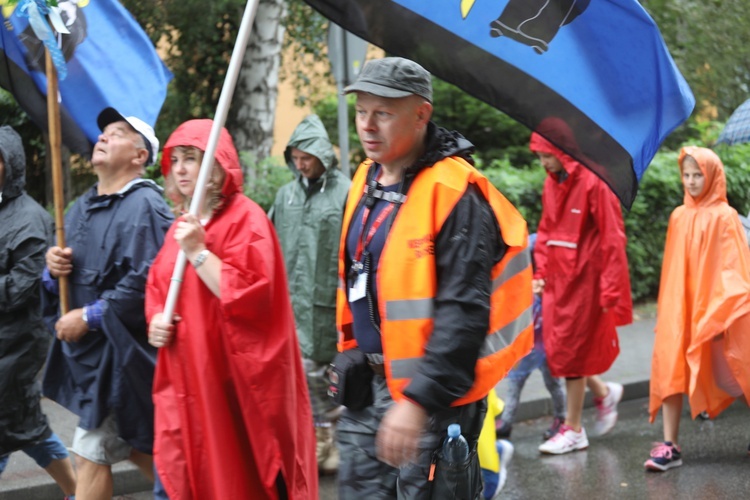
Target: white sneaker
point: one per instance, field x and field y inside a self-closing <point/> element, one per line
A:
<point x="505" y="449"/>
<point x="494" y="481"/>
<point x="565" y="441"/>
<point x="606" y="409"/>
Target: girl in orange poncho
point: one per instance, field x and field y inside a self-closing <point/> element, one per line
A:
<point x="702" y="347"/>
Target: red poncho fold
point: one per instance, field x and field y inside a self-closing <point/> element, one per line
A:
<point x="232" y="410"/>
<point x="580" y="253"/>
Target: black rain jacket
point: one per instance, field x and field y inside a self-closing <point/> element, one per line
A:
<point x="26" y="230"/>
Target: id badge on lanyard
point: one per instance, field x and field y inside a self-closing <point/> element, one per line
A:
<point x="357" y="276"/>
<point x="358" y="290"/>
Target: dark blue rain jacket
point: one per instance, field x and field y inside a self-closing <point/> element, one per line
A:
<point x="110" y="370"/>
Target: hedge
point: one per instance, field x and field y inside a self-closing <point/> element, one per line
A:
<point x="659" y="193"/>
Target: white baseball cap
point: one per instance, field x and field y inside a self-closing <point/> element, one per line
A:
<point x="111" y="115"/>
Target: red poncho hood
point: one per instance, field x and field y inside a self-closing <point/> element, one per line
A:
<point x="195" y="133"/>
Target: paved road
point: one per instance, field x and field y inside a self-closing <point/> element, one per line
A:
<point x="716" y="464"/>
<point x="715" y="453"/>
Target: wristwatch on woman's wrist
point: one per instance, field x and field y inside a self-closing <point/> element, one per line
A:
<point x="201" y="258"/>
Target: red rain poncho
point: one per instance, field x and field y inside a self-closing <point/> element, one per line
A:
<point x="580" y="252"/>
<point x="704" y="291"/>
<point x="232" y="410"/>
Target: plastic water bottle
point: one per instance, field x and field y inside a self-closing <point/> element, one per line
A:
<point x="455" y="447"/>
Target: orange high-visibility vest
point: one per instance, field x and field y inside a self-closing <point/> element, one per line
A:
<point x="407" y="278"/>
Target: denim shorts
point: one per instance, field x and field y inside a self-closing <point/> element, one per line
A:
<point x="43" y="452"/>
<point x="102" y="445"/>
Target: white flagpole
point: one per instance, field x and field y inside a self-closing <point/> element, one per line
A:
<point x="220" y="118"/>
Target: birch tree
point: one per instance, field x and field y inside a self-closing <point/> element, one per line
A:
<point x="197" y="39"/>
<point x="251" y="116"/>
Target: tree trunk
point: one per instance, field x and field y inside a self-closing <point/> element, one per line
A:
<point x="251" y="116"/>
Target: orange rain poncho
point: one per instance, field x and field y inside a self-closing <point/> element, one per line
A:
<point x="704" y="291"/>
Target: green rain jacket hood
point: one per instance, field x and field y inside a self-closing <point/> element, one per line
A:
<point x="308" y="223"/>
<point x="311" y="137"/>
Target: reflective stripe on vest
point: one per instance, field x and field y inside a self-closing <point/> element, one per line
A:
<point x="519" y="262"/>
<point x="403" y="310"/>
<point x="500" y="339"/>
<point x="407" y="306"/>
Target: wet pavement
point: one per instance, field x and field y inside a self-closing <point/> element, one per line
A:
<point x="716" y="464"/>
<point x="714" y="453"/>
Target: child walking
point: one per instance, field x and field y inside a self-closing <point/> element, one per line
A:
<point x="702" y="346"/>
<point x="582" y="275"/>
<point x="536" y="359"/>
<point x="494" y="455"/>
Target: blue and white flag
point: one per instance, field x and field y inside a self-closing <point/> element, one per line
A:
<point x="108" y="61"/>
<point x="598" y="69"/>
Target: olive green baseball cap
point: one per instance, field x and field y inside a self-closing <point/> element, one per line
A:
<point x="393" y="77"/>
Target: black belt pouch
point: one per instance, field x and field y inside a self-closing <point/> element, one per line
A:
<point x="350" y="380"/>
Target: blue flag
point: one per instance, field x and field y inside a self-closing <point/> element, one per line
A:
<point x="593" y="76"/>
<point x="109" y="61"/>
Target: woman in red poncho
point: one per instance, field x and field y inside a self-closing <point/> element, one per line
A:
<point x="702" y="345"/>
<point x="233" y="418"/>
<point x="582" y="273"/>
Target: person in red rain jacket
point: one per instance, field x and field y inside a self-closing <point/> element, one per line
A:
<point x="233" y="418"/>
<point x="582" y="273"/>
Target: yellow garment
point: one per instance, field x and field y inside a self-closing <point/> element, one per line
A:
<point x="488" y="456"/>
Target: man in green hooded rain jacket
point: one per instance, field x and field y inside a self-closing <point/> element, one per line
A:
<point x="307" y="214"/>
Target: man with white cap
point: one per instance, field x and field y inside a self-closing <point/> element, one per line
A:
<point x="101" y="365"/>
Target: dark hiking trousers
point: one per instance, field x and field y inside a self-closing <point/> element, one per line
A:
<point x="362" y="476"/>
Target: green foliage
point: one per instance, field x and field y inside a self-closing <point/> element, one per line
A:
<point x="153" y="172"/>
<point x="495" y="135"/>
<point x="522" y="187"/>
<point x="327" y="109"/>
<point x="736" y="161"/>
<point x="659" y="193"/>
<point x="264" y="178"/>
<point x="693" y="131"/>
<point x="198" y="38"/>
<point x="710" y="43"/>
<point x="305" y="45"/>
